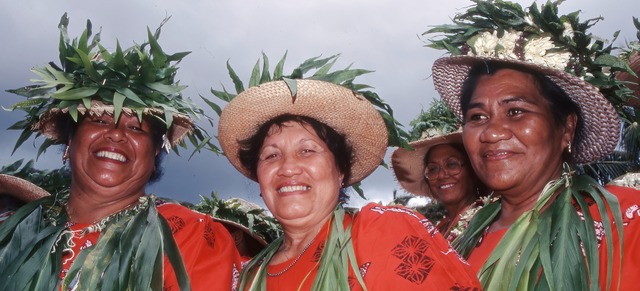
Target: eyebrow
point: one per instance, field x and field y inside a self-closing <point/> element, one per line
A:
<point x="502" y="102"/>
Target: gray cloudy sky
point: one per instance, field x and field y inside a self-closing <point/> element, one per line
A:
<point x="381" y="35"/>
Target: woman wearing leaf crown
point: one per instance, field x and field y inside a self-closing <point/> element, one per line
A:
<point x="304" y="141"/>
<point x="116" y="112"/>
<point x="529" y="115"/>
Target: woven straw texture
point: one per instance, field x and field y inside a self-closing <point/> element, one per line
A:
<point x="336" y="106"/>
<point x="601" y="128"/>
<point x="408" y="165"/>
<point x="47" y="125"/>
<point x="20" y="188"/>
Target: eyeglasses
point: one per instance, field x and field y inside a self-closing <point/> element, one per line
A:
<point x="451" y="167"/>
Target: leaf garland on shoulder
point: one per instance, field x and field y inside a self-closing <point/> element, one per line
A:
<point x="139" y="77"/>
<point x="546" y="250"/>
<point x="33" y="240"/>
<point x="345" y="77"/>
<point x="338" y="255"/>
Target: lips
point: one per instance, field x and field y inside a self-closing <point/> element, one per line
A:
<point x="111" y="156"/>
<point x="293" y="188"/>
<point x="497" y="154"/>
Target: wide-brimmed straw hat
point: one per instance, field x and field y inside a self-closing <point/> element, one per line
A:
<point x="21" y="188"/>
<point x="408" y="165"/>
<point x="601" y="126"/>
<point x="348" y="113"/>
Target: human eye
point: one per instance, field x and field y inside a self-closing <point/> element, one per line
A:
<point x="101" y="120"/>
<point x="515" y="111"/>
<point x="453" y="164"/>
<point x="269" y="154"/>
<point x="475" y="116"/>
<point x="432" y="169"/>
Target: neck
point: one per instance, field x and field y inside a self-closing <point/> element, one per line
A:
<point x="87" y="208"/>
<point x="456" y="209"/>
<point x="513" y="205"/>
<point x="296" y="240"/>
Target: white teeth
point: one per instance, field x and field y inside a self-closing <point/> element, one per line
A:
<point x="293" y="188"/>
<point x="446" y="186"/>
<point x="111" y="155"/>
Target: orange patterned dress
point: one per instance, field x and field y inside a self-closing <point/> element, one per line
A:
<point x="395" y="248"/>
<point x="207" y="249"/>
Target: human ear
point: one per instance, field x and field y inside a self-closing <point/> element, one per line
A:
<point x="569" y="130"/>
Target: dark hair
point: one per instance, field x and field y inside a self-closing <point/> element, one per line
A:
<point x="457" y="146"/>
<point x="249" y="151"/>
<point x="67" y="129"/>
<point x="560" y="104"/>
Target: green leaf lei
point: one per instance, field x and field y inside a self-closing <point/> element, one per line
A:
<point x="337" y="257"/>
<point x="140" y="77"/>
<point x="554" y="249"/>
<point x="127" y="256"/>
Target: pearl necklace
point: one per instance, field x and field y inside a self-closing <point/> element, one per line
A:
<point x="294" y="261"/>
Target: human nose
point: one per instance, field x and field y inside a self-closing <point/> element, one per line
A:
<point x="289" y="167"/>
<point x="495" y="130"/>
<point x="115" y="134"/>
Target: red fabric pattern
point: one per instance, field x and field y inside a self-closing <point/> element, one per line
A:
<point x="396" y="249"/>
<point x="208" y="250"/>
<point x="629" y="200"/>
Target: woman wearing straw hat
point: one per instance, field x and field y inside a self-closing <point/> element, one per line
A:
<point x="304" y="141"/>
<point x="115" y="112"/>
<point x="526" y="121"/>
<point x="438" y="167"/>
<point x="15" y="192"/>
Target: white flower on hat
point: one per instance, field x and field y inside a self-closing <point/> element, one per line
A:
<point x="485" y="45"/>
<point x="508" y="44"/>
<point x="568" y="30"/>
<point x="536" y="51"/>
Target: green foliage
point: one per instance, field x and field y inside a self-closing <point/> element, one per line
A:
<point x="322" y="66"/>
<point x="438" y="118"/>
<point x="236" y="210"/>
<point x="142" y="76"/>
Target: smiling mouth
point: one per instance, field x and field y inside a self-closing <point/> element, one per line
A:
<point x="293" y="188"/>
<point x="446" y="186"/>
<point x="111" y="156"/>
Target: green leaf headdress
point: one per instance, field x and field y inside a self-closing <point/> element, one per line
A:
<point x="138" y="81"/>
<point x="560" y="47"/>
<point x="298" y="82"/>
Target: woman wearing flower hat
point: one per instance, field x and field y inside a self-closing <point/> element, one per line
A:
<point x="304" y="141"/>
<point x="438" y="167"/>
<point x="115" y="112"/>
<point x="527" y="120"/>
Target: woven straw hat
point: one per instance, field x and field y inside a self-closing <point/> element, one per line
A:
<point x="48" y="123"/>
<point x="20" y="188"/>
<point x="408" y="165"/>
<point x="599" y="135"/>
<point x="340" y="108"/>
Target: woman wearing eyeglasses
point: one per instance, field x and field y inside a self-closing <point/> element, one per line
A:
<point x="439" y="168"/>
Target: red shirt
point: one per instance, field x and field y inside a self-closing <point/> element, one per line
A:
<point x="208" y="251"/>
<point x="396" y="249"/>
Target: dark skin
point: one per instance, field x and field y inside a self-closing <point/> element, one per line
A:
<point x="455" y="192"/>
<point x="110" y="165"/>
<point x="513" y="142"/>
